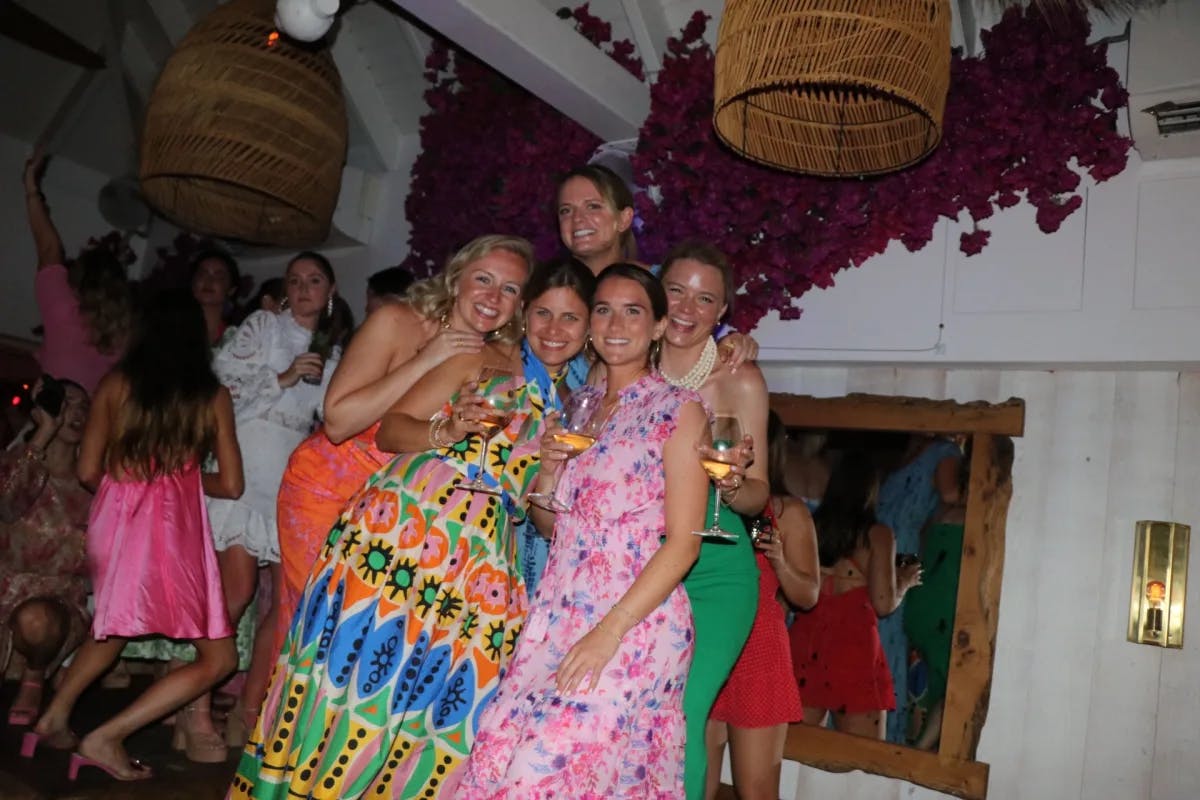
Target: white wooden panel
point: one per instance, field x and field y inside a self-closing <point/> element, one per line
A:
<point x="893" y="302"/>
<point x="1016" y="271"/>
<point x="1168" y="239"/>
<point x="1121" y="722"/>
<point x="872" y="380"/>
<point x="1177" y="736"/>
<point x="1020" y="610"/>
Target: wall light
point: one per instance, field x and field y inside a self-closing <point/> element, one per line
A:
<point x="1159" y="591"/>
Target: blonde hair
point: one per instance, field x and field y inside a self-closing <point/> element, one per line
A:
<point x="434" y="297"/>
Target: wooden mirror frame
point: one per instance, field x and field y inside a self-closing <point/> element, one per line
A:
<point x="953" y="768"/>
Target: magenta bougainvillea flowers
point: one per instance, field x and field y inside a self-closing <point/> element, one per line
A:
<point x="1025" y="120"/>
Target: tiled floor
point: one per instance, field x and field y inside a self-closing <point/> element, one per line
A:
<point x="45" y="776"/>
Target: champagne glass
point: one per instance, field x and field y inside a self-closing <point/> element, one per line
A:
<point x="581" y="423"/>
<point x="718" y="458"/>
<point x="499" y="405"/>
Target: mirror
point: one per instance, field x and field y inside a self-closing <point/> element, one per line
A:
<point x="982" y="430"/>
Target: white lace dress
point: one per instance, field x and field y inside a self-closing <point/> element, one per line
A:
<point x="271" y="421"/>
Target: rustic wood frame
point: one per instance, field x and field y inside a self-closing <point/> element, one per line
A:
<point x="953" y="768"/>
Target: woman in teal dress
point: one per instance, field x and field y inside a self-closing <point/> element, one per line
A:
<point x="723" y="585"/>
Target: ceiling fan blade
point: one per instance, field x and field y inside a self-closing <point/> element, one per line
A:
<point x="31" y="30"/>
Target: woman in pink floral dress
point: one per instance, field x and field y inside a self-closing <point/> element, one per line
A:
<point x="592" y="704"/>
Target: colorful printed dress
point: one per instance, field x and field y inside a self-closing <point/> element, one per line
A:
<point x="624" y="739"/>
<point x="410" y="613"/>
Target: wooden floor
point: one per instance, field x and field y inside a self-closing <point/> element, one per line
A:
<point x="44" y="777"/>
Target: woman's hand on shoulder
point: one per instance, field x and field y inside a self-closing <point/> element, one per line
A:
<point x="736" y="349"/>
<point x="447" y="343"/>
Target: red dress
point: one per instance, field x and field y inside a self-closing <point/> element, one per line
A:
<point x="839" y="659"/>
<point x="761" y="690"/>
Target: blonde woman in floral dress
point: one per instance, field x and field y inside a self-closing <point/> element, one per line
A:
<point x="591" y="707"/>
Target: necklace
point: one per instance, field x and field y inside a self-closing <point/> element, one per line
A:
<point x="699" y="372"/>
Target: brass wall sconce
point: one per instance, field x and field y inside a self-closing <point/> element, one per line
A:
<point x="1159" y="591"/>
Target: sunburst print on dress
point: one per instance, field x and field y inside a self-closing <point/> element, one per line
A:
<point x="373" y="564"/>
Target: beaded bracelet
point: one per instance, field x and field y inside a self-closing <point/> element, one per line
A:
<point x="435" y="433"/>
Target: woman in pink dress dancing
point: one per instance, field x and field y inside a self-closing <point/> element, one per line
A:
<point x="592" y="704"/>
<point x="150" y="549"/>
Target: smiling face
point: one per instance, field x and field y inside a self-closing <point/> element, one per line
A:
<point x="75" y="411"/>
<point x="308" y="289"/>
<point x="212" y="285"/>
<point x="488" y="291"/>
<point x="623" y="324"/>
<point x="695" y="301"/>
<point x="589" y="226"/>
<point x="556" y="326"/>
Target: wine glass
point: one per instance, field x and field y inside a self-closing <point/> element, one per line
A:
<point x="718" y="457"/>
<point x="499" y="405"/>
<point x="581" y="423"/>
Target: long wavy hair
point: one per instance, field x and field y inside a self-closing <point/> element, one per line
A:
<point x="433" y="297"/>
<point x="847" y="510"/>
<point x="167" y="421"/>
<point x="101" y="287"/>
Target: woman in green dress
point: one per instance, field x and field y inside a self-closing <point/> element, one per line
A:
<point x="723" y="585"/>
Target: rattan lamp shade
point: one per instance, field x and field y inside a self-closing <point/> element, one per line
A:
<point x="245" y="133"/>
<point x="832" y="87"/>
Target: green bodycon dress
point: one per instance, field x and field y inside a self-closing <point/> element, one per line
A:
<point x="723" y="590"/>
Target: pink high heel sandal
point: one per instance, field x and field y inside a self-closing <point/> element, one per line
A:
<point x="79" y="761"/>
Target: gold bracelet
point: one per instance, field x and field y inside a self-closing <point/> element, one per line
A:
<point x="600" y="627"/>
<point x="626" y="612"/>
<point x="435" y="431"/>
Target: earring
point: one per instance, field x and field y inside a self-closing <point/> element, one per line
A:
<point x="283" y="304"/>
<point x="329" y="306"/>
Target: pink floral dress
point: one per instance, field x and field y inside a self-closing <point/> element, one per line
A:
<point x="625" y="738"/>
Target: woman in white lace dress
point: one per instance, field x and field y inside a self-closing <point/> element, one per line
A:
<point x="277" y="386"/>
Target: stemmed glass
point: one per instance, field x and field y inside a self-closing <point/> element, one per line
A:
<point x="718" y="457"/>
<point x="581" y="423"/>
<point x="499" y="405"/>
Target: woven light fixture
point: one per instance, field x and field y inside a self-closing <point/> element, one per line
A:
<point x="245" y="133"/>
<point x="832" y="87"/>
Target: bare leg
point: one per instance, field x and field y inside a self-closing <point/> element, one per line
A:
<point x="92" y="659"/>
<point x="815" y="716"/>
<point x="262" y="659"/>
<point x="39" y="631"/>
<point x="716" y="734"/>
<point x="757" y="755"/>
<point x="239" y="578"/>
<point x="931" y="735"/>
<point x="215" y="658"/>
<point x="870" y="724"/>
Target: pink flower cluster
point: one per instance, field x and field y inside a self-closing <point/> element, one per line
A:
<point x="1024" y="120"/>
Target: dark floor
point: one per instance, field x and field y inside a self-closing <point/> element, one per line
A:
<point x="44" y="777"/>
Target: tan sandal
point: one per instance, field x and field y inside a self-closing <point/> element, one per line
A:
<point x="201" y="747"/>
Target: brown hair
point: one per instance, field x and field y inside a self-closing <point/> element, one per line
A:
<point x="101" y="287"/>
<point x="615" y="194"/>
<point x="705" y="253"/>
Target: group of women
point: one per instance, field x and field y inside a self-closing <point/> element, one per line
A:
<point x="434" y="638"/>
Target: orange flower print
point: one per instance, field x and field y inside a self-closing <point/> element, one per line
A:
<point x="362" y="503"/>
<point x="412" y="532"/>
<point x="434" y="551"/>
<point x="488" y="589"/>
<point x="458" y="560"/>
<point x="383" y="513"/>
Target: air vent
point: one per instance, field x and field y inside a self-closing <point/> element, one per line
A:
<point x="1174" y="117"/>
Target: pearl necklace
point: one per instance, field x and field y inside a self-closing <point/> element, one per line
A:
<point x="699" y="372"/>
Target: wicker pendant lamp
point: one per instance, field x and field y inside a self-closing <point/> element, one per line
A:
<point x="245" y="133"/>
<point x="834" y="88"/>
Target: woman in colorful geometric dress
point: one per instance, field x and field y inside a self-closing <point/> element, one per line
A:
<point x="398" y="343"/>
<point x="760" y="698"/>
<point x="591" y="706"/>
<point x="415" y="602"/>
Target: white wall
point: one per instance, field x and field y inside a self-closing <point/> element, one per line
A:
<point x="1076" y="711"/>
<point x="71" y="191"/>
